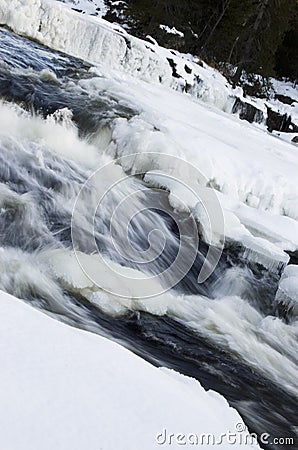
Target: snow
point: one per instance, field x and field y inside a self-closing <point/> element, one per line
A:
<point x="212" y="86"/>
<point x="288" y="89"/>
<point x="69" y="389"/>
<point x="172" y="30"/>
<point x="91" y="7"/>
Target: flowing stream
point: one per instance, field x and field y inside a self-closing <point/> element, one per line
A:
<point x="223" y="332"/>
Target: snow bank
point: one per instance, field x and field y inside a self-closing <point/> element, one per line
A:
<point x="69" y="389"/>
<point x="238" y="159"/>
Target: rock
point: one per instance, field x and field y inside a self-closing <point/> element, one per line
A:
<point x="247" y="111"/>
<point x="280" y="122"/>
<point x="285" y="99"/>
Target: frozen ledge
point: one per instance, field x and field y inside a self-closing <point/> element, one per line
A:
<point x="101" y="43"/>
<point x="92" y="39"/>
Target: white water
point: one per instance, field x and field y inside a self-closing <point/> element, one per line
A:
<point x="208" y="164"/>
<point x="230" y="320"/>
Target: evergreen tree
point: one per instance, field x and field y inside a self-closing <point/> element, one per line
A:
<point x="251" y="35"/>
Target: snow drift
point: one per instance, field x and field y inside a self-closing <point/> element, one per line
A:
<point x="63" y="388"/>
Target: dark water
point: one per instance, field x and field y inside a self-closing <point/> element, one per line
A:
<point x="264" y="405"/>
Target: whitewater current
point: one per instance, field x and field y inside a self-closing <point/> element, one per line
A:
<point x="225" y="332"/>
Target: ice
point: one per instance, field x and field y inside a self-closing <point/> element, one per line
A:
<point x="97" y="279"/>
<point x="198" y="200"/>
<point x="244" y="163"/>
<point x="288" y="89"/>
<point x="260" y="223"/>
<point x="286" y="300"/>
<point x="89" y="38"/>
<point x="265" y="253"/>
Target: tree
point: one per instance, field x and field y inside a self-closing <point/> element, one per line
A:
<point x="259" y="25"/>
<point x="286" y="57"/>
<point x="250" y="35"/>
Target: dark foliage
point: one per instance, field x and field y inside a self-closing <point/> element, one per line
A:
<point x="258" y="36"/>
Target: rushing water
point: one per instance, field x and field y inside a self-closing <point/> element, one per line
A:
<point x="222" y="332"/>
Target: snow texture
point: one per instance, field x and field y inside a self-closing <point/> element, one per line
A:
<point x="69" y="389"/>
